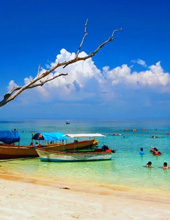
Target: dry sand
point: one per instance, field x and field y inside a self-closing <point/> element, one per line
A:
<point x="23" y="199"/>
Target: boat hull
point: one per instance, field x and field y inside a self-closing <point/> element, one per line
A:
<point x="54" y="156"/>
<point x="11" y="152"/>
<point x="73" y="145"/>
<point x="8" y="151"/>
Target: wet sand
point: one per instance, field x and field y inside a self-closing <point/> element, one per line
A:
<point x="27" y="198"/>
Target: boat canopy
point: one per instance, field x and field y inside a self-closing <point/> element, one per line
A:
<point x="85" y="135"/>
<point x="56" y="136"/>
<point x="9" y="137"/>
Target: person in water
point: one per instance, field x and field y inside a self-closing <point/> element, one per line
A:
<point x="141" y="151"/>
<point x="165" y="166"/>
<point x="153" y="149"/>
<point x="149" y="164"/>
<point x="157" y="153"/>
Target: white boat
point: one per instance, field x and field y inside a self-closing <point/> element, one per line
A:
<point x="75" y="155"/>
<point x="56" y="156"/>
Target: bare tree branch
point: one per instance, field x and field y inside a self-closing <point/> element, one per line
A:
<point x="42" y="79"/>
<point x="85" y="34"/>
<point x="41" y="83"/>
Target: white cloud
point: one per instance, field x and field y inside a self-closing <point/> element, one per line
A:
<point x="154" y="76"/>
<point x="12" y="84"/>
<point x="27" y="80"/>
<point x="79" y="75"/>
<point x="140" y="62"/>
<point x="85" y="80"/>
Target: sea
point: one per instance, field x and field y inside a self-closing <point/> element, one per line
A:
<point x="127" y="166"/>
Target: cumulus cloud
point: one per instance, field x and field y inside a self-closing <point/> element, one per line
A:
<point x="154" y="76"/>
<point x="79" y="75"/>
<point x="86" y="81"/>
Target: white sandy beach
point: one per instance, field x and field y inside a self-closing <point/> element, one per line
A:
<point x="23" y="199"/>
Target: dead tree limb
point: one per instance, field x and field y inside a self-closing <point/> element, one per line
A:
<point x="42" y="79"/>
<point x="84" y="37"/>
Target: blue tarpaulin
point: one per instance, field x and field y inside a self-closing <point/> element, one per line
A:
<point x="9" y="137"/>
<point x="56" y="136"/>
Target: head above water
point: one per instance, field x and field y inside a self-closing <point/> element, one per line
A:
<point x="149" y="163"/>
<point x="165" y="164"/>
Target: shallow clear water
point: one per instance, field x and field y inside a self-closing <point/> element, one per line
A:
<point x="125" y="168"/>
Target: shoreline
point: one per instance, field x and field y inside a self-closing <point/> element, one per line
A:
<point x="72" y="183"/>
<point x="76" y="200"/>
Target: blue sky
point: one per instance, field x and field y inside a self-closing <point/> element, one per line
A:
<point x="128" y="79"/>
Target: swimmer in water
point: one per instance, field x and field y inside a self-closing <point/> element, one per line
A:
<point x="157" y="153"/>
<point x="153" y="149"/>
<point x="165" y="166"/>
<point x="149" y="164"/>
<point x="141" y="151"/>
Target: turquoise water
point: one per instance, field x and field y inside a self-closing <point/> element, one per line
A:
<point x="125" y="168"/>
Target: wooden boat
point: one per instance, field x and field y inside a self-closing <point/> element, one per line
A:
<point x="56" y="156"/>
<point x="71" y="146"/>
<point x="53" y="155"/>
<point x="76" y="144"/>
<point x="9" y="151"/>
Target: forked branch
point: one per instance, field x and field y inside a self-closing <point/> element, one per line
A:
<point x="42" y="79"/>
